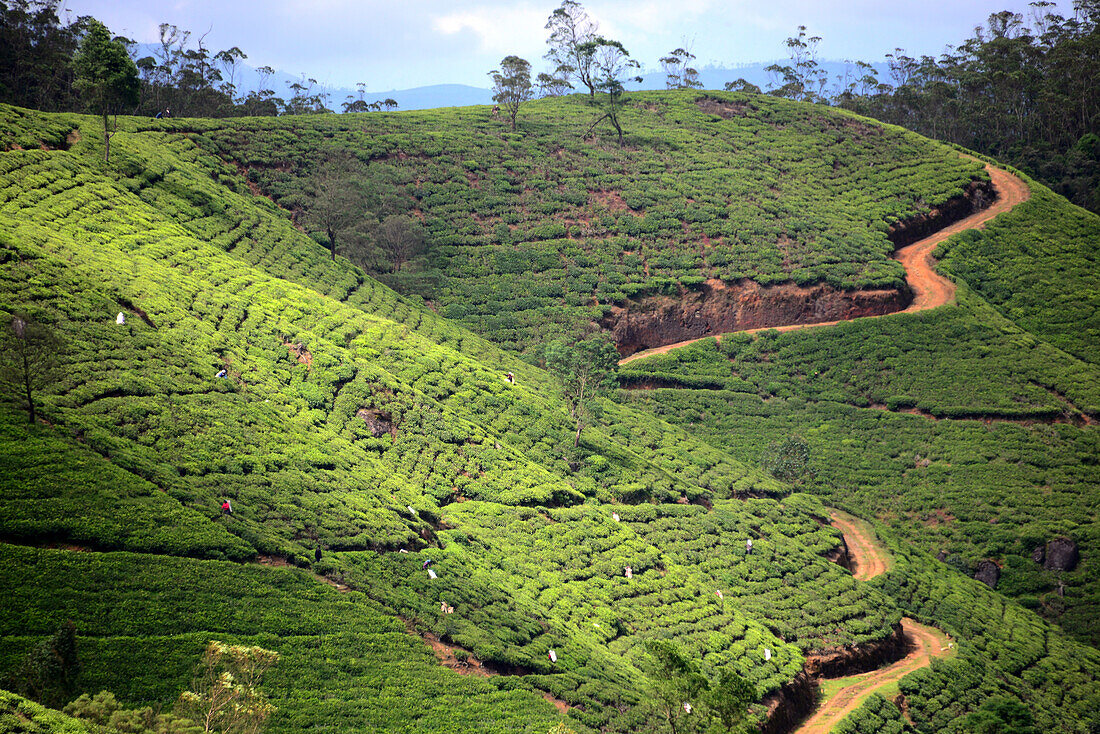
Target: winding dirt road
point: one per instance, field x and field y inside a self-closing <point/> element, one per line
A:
<point x="870" y="559"/>
<point x="929" y="288"/>
<point x="925" y="643"/>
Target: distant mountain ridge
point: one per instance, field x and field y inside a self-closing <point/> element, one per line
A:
<point x="460" y="95"/>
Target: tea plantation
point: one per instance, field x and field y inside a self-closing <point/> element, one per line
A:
<point x="716" y="185"/>
<point x="390" y="488"/>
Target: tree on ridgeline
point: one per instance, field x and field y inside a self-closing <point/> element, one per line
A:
<point x="803" y="79"/>
<point x="28" y="360"/>
<point x="571" y="34"/>
<point x="741" y="84"/>
<point x="678" y="71"/>
<point x="611" y="64"/>
<point x="1024" y="89"/>
<point x="36" y="53"/>
<point x="511" y="85"/>
<point x="586" y="368"/>
<point x="552" y="85"/>
<point x="105" y="77"/>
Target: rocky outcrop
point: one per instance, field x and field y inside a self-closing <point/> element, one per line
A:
<point x="1060" y="554"/>
<point x="989" y="573"/>
<point x="721" y="307"/>
<point x="840" y="555"/>
<point x="378" y="422"/>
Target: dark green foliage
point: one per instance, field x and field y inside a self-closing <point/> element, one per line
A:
<point x="148" y="620"/>
<point x="359" y="420"/>
<point x="1037" y="266"/>
<point x="728" y="697"/>
<point x="875" y="716"/>
<point x="676" y="683"/>
<point x="690" y="702"/>
<point x="29" y="353"/>
<point x="1004" y="651"/>
<point x="1000" y="716"/>
<point x="36" y="52"/>
<point x="104" y="710"/>
<point x="104" y="76"/>
<point x="787" y="460"/>
<point x="586" y="369"/>
<point x="49" y="671"/>
<point x="17" y="714"/>
<point x="512" y="85"/>
<point x="1024" y="88"/>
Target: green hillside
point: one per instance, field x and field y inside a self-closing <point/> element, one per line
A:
<point x="361" y="423"/>
<point x="708" y="186"/>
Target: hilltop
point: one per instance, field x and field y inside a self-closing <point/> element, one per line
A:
<point x="370" y="426"/>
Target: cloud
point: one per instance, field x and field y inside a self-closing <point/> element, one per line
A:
<point x="508" y="29"/>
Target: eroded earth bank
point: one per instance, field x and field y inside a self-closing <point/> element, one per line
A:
<point x="722" y="307"/>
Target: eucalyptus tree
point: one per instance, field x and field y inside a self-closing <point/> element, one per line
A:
<point x="679" y="74"/>
<point x="512" y="85"/>
<point x="611" y="69"/>
<point x="106" y="77"/>
<point x="570" y="41"/>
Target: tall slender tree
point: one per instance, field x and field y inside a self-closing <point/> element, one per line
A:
<point x="679" y="73"/>
<point x="611" y="66"/>
<point x="28" y="360"/>
<point x="586" y="368"/>
<point x="571" y="50"/>
<point x="512" y="85"/>
<point x="105" y="77"/>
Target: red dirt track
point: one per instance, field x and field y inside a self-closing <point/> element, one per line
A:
<point x="930" y="289"/>
<point x="924" y="642"/>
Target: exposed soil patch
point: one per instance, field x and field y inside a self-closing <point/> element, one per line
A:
<point x="720" y="307"/>
<point x="379" y="422"/>
<point x="299" y="351"/>
<point x="656" y="327"/>
<point x="867" y="558"/>
<point x="74" y="137"/>
<point x="1070" y="416"/>
<point x="454" y="657"/>
<point x="50" y="544"/>
<point x="723" y="109"/>
<point x="609" y="200"/>
<point x="924" y="643"/>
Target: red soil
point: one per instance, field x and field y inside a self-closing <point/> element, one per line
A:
<point x="930" y="289"/>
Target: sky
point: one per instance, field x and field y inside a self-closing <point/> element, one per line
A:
<point x="398" y="44"/>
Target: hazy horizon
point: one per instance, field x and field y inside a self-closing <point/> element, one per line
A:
<point x="427" y="42"/>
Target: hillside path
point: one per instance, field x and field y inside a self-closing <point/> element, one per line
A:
<point x="930" y="289"/>
<point x="925" y="643"/>
<point x="870" y="559"/>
